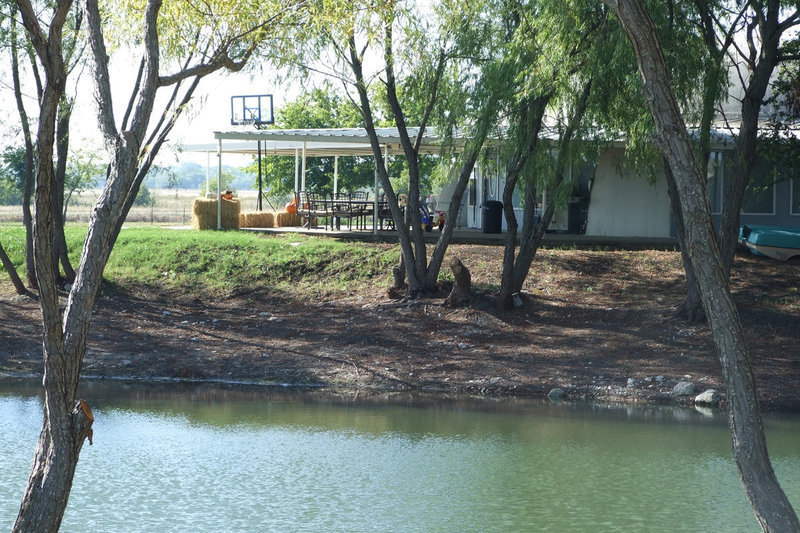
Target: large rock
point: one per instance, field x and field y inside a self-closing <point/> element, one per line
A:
<point x="556" y="394"/>
<point x="709" y="397"/>
<point x="683" y="388"/>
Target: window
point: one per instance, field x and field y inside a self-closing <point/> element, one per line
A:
<point x="759" y="197"/>
<point x="795" y="208"/>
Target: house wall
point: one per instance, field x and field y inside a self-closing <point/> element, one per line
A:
<point x="628" y="205"/>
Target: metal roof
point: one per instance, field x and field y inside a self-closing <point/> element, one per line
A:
<point x="318" y="142"/>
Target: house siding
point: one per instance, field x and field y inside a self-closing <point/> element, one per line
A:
<point x="629" y="205"/>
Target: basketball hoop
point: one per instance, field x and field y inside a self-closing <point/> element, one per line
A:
<point x="255" y="110"/>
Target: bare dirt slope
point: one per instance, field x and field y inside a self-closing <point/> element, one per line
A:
<point x="591" y="321"/>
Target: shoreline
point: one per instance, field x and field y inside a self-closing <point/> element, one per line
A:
<point x="597" y="324"/>
<point x="585" y="394"/>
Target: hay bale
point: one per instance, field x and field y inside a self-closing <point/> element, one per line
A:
<point x="257" y="219"/>
<point x="285" y="220"/>
<point x="204" y="213"/>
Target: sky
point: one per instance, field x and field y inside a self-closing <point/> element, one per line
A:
<point x="208" y="112"/>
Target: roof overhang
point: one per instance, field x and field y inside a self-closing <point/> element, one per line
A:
<point x="317" y="142"/>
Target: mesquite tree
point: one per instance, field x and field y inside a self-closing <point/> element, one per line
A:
<point x="428" y="68"/>
<point x="549" y="93"/>
<point x="218" y="38"/>
<point x="772" y="508"/>
<point x="766" y="23"/>
<point x="20" y="46"/>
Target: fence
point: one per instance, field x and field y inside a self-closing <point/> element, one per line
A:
<point x="171" y="207"/>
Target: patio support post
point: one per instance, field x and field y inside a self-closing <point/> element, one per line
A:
<point x="260" y="189"/>
<point x="296" y="171"/>
<point x="303" y="172"/>
<point x="375" y="205"/>
<point x="335" y="175"/>
<point x="219" y="185"/>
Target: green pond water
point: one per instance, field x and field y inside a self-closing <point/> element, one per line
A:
<point x="210" y="458"/>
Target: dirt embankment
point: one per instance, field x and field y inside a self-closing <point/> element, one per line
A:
<point x="595" y="324"/>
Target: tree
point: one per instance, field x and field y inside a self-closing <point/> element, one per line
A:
<point x="766" y="23"/>
<point x="622" y="111"/>
<point x="426" y="66"/>
<point x="12" y="176"/>
<point x="73" y="51"/>
<point x="772" y="508"/>
<point x="28" y="178"/>
<point x="551" y="77"/>
<point x="227" y="40"/>
<point x="226" y="183"/>
<point x="82" y="173"/>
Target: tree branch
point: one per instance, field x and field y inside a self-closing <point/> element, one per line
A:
<point x="102" y="80"/>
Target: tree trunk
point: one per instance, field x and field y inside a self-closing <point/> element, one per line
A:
<point x="531" y="115"/>
<point x="772" y="509"/>
<point x="27" y="220"/>
<point x="691" y="309"/>
<point x="27" y="187"/>
<point x="54" y="464"/>
<point x="62" y="148"/>
<point x="462" y="284"/>
<point x="467" y="162"/>
<point x="49" y="483"/>
<point x="12" y="272"/>
<point x="764" y="60"/>
<point x="531" y="234"/>
<point x="398" y="279"/>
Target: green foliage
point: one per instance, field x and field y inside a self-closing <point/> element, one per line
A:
<point x="620" y="110"/>
<point x="84" y="171"/>
<point x="188" y="28"/>
<point x="145" y="198"/>
<point x="317" y="108"/>
<point x="227" y="183"/>
<point x="12" y="174"/>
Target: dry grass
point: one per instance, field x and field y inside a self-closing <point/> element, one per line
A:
<point x="172" y="207"/>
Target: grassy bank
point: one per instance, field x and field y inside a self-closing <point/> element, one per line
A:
<point x="221" y="262"/>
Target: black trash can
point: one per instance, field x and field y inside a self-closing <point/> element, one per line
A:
<point x="492" y="216"/>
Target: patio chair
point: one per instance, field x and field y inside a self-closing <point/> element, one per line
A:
<point x="342" y="207"/>
<point x="303" y="208"/>
<point x="319" y="207"/>
<point x="359" y="201"/>
<point x="384" y="213"/>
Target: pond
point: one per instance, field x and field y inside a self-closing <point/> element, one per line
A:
<point x="214" y="458"/>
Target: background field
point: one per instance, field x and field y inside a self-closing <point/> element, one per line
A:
<point x="172" y="207"/>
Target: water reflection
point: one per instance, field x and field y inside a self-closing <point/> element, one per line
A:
<point x="209" y="458"/>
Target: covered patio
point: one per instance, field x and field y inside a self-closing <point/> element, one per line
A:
<point x="305" y="143"/>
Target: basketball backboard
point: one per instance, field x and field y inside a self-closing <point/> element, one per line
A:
<point x="255" y="109"/>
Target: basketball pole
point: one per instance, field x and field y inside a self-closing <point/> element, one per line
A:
<point x="260" y="191"/>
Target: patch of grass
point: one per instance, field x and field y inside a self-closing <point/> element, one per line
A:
<point x="220" y="262"/>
